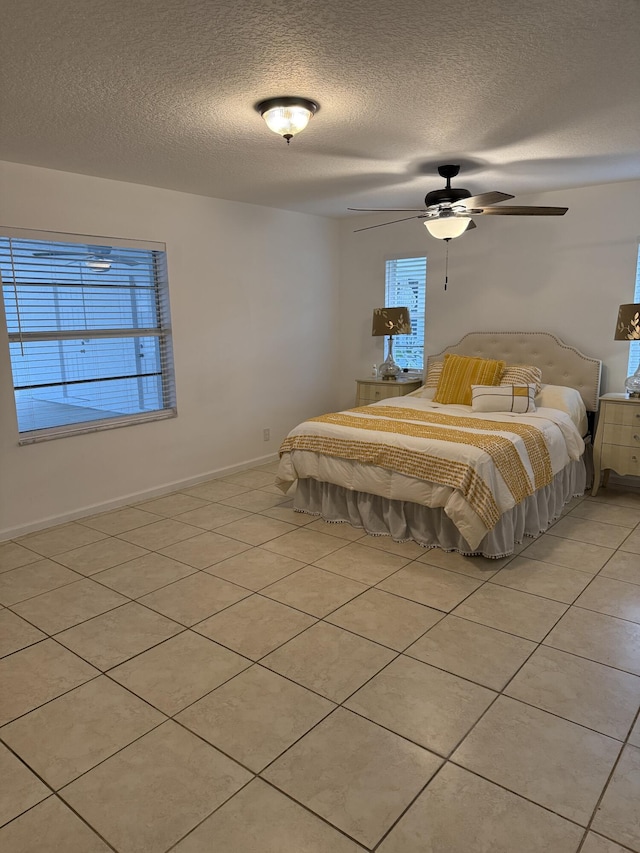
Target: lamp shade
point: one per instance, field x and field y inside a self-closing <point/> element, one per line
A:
<point x="287" y="116"/>
<point x="391" y="321"/>
<point x="446" y="228"/>
<point x="628" y="325"/>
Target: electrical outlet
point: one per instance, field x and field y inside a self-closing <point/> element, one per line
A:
<point x="266" y="434"/>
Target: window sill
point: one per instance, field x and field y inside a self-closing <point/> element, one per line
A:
<point x="36" y="436"/>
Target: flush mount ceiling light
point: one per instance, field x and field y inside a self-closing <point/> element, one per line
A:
<point x="287" y="116"/>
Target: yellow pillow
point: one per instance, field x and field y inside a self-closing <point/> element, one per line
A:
<point x="460" y="372"/>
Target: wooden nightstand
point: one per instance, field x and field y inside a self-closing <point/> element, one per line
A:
<point x="617" y="444"/>
<point x="372" y="390"/>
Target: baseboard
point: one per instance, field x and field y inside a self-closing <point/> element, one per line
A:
<point x="632" y="483"/>
<point x="135" y="497"/>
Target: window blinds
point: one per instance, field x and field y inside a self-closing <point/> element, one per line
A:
<point x="406" y="285"/>
<point x="89" y="335"/>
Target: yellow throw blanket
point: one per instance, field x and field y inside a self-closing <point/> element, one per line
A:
<point x="521" y="458"/>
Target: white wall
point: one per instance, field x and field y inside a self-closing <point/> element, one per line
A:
<point x="254" y="299"/>
<point x="563" y="275"/>
<point x="303" y="341"/>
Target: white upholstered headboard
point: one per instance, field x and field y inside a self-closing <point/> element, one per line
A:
<point x="560" y="363"/>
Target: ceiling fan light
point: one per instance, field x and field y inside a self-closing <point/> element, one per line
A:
<point x="287" y="116"/>
<point x="99" y="265"/>
<point x="447" y="228"/>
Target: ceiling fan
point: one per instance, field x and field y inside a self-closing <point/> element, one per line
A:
<point x="448" y="212"/>
<point x="98" y="258"/>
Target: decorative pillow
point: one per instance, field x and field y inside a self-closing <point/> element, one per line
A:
<point x="460" y="372"/>
<point x="503" y="398"/>
<point x="522" y="374"/>
<point x="434" y="372"/>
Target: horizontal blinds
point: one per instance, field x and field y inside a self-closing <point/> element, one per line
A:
<point x="89" y="331"/>
<point x="634" y="349"/>
<point x="405" y="285"/>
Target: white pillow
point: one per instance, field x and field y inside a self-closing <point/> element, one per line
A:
<point x="568" y="400"/>
<point x="424" y="392"/>
<point x="503" y="398"/>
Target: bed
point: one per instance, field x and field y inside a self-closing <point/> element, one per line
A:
<point x="445" y="476"/>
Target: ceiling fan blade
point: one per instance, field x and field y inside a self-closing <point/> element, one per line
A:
<point x="471" y="225"/>
<point x="450" y="202"/>
<point x="484" y="199"/>
<point x="59" y="255"/>
<point x="404" y="219"/>
<point x="524" y="211"/>
<point x="389" y="209"/>
<point x="87" y="257"/>
<point x="117" y="259"/>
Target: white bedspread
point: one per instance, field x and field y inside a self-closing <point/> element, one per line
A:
<point x="561" y="438"/>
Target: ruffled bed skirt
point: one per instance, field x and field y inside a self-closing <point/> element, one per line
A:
<point x="431" y="527"/>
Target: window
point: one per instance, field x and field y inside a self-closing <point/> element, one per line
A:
<point x="634" y="347"/>
<point x="89" y="332"/>
<point x="405" y="286"/>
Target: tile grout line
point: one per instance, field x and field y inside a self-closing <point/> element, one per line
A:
<point x="475" y="773"/>
<point x="102" y="760"/>
<point x="279" y="791"/>
<point x="54" y="795"/>
<point x="603" y="793"/>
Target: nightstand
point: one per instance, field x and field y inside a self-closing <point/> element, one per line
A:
<point x="372" y="390"/>
<point x="617" y="444"/>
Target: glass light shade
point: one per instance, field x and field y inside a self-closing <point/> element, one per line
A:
<point x="287" y="121"/>
<point x="287" y="115"/>
<point x="99" y="266"/>
<point x="448" y="227"/>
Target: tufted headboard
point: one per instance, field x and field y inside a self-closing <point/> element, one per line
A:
<point x="560" y="363"/>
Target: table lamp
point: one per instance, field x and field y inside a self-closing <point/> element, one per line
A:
<point x="390" y="321"/>
<point x="628" y="329"/>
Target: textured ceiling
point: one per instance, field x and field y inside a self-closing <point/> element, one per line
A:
<point x="527" y="96"/>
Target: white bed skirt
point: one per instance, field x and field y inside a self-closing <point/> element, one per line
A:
<point x="431" y="527"/>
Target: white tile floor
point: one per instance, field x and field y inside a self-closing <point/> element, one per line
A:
<point x="210" y="671"/>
